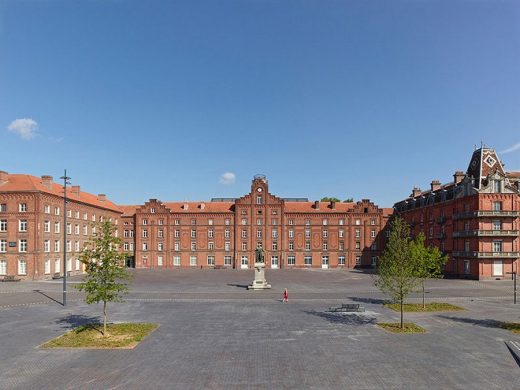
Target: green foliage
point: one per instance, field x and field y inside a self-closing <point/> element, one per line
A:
<point x="395" y="327"/>
<point x="348" y="200"/>
<point x="330" y="199"/>
<point x="429" y="259"/>
<point x="433" y="306"/>
<point x="397" y="267"/>
<point x="105" y="268"/>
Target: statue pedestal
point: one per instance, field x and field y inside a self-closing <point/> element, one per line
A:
<point x="259" y="283"/>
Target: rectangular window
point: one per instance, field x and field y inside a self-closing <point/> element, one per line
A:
<point x="22" y="207"/>
<point x="69" y="228"/>
<point x="161" y="222"/>
<point x="160" y="246"/>
<point x="22" y="245"/>
<point x="358" y="245"/>
<point x="85" y="230"/>
<point x="497" y="206"/>
<point x="159" y="261"/>
<point x="227" y="222"/>
<point x="226" y="233"/>
<point x="307" y="233"/>
<point x="211" y="246"/>
<point x="76" y="229"/>
<point x="76" y="214"/>
<point x="69" y="213"/>
<point x="244" y="221"/>
<point x="85" y="216"/>
<point x="176" y="260"/>
<point x="145" y="233"/>
<point x="274" y="233"/>
<point x="373" y="233"/>
<point x="291" y="260"/>
<point x="325" y="246"/>
<point x="497" y="225"/>
<point x="291" y="222"/>
<point x="56" y="211"/>
<point x="131" y="246"/>
<point x="69" y="246"/>
<point x="341" y="222"/>
<point x="275" y="246"/>
<point x="258" y="233"/>
<point x="210" y="233"/>
<point x="177" y="222"/>
<point x="307" y="246"/>
<point x="291" y="245"/>
<point x="244" y="233"/>
<point x="259" y="222"/>
<point x="46" y="226"/>
<point x="497" y="186"/>
<point x="193" y="246"/>
<point x="291" y="233"/>
<point x="3" y="225"/>
<point x="274" y="222"/>
<point x="325" y="221"/>
<point x="211" y="260"/>
<point x="307" y="260"/>
<point x="372" y="222"/>
<point x="22" y="267"/>
<point x="177" y="233"/>
<point x="193" y="261"/>
<point x="341" y="234"/>
<point x="466" y="246"/>
<point x="244" y="246"/>
<point x="497" y="246"/>
<point x="341" y="260"/>
<point x="152" y="210"/>
<point x="341" y="245"/>
<point x="193" y="233"/>
<point x="325" y="234"/>
<point x="374" y="261"/>
<point x="145" y="246"/>
<point x="3" y="246"/>
<point x="358" y="233"/>
<point x="227" y="246"/>
<point x="176" y="246"/>
<point x="193" y="221"/>
<point x="56" y="227"/>
<point x="76" y="246"/>
<point x="47" y="268"/>
<point x="125" y="246"/>
<point x="160" y="233"/>
<point x="258" y="199"/>
<point x="307" y="222"/>
<point x="22" y="225"/>
<point x="227" y="260"/>
<point x="3" y="208"/>
<point x="57" y="266"/>
<point x="358" y="222"/>
<point x="145" y="221"/>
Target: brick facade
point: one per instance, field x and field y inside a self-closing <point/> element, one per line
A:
<point x="475" y="219"/>
<point x="226" y="232"/>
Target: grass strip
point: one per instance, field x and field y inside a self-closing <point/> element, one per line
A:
<point x="395" y="327"/>
<point x="512" y="326"/>
<point x="418" y="307"/>
<point x="125" y="335"/>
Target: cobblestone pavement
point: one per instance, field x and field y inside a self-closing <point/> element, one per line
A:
<point x="214" y="334"/>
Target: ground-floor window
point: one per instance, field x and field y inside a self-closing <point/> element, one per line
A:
<point x="227" y="260"/>
<point x="274" y="261"/>
<point x="77" y="264"/>
<point x="193" y="261"/>
<point x="47" y="267"/>
<point x="69" y="265"/>
<point x="466" y="267"/>
<point x="325" y="260"/>
<point x="341" y="260"/>
<point x="291" y="260"/>
<point x="57" y="265"/>
<point x="307" y="260"/>
<point x="244" y="261"/>
<point x="22" y="267"/>
<point x="160" y="261"/>
<point x="358" y="260"/>
<point x="3" y="267"/>
<point x="176" y="260"/>
<point x="211" y="260"/>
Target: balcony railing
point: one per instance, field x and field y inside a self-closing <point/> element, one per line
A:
<point x="486" y="233"/>
<point x="487" y="213"/>
<point x="484" y="255"/>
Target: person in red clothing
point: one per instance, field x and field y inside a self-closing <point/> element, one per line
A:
<point x="285" y="296"/>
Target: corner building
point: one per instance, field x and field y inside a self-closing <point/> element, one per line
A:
<point x="224" y="233"/>
<point x="32" y="225"/>
<point x="475" y="219"/>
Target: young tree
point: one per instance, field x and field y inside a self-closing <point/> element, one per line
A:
<point x="105" y="269"/>
<point x="397" y="267"/>
<point x="348" y="200"/>
<point x="429" y="261"/>
<point x="330" y="199"/>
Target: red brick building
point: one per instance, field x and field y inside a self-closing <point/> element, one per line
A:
<point x="31" y="225"/>
<point x="226" y="232"/>
<point x="475" y="219"/>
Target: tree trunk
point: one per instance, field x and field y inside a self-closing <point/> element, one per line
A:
<point x="104" y="318"/>
<point x="423" y="303"/>
<point x="402" y="313"/>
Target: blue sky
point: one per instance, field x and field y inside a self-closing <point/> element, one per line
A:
<point x="158" y="99"/>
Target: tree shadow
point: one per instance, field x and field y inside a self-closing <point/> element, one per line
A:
<point x="244" y="286"/>
<point x="487" y="323"/>
<point x="73" y="321"/>
<point x="375" y="301"/>
<point x="343" y="318"/>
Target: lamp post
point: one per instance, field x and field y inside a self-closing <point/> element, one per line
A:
<point x="513" y="276"/>
<point x="65" y="182"/>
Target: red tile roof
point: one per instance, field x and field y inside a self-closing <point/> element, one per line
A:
<point x="200" y="207"/>
<point x="20" y="182"/>
<point x="324" y="207"/>
<point x="128" y="210"/>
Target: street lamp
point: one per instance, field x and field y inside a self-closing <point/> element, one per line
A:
<point x="65" y="182"/>
<point x="513" y="276"/>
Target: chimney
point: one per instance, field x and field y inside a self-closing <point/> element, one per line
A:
<point x="101" y="197"/>
<point x="457" y="177"/>
<point x="317" y="204"/>
<point x="416" y="191"/>
<point x="435" y="185"/>
<point x="4" y="177"/>
<point x="332" y="204"/>
<point x="47" y="181"/>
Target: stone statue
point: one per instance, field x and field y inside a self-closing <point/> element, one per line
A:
<point x="259" y="255"/>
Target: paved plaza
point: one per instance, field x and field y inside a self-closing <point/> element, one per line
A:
<point x="215" y="334"/>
